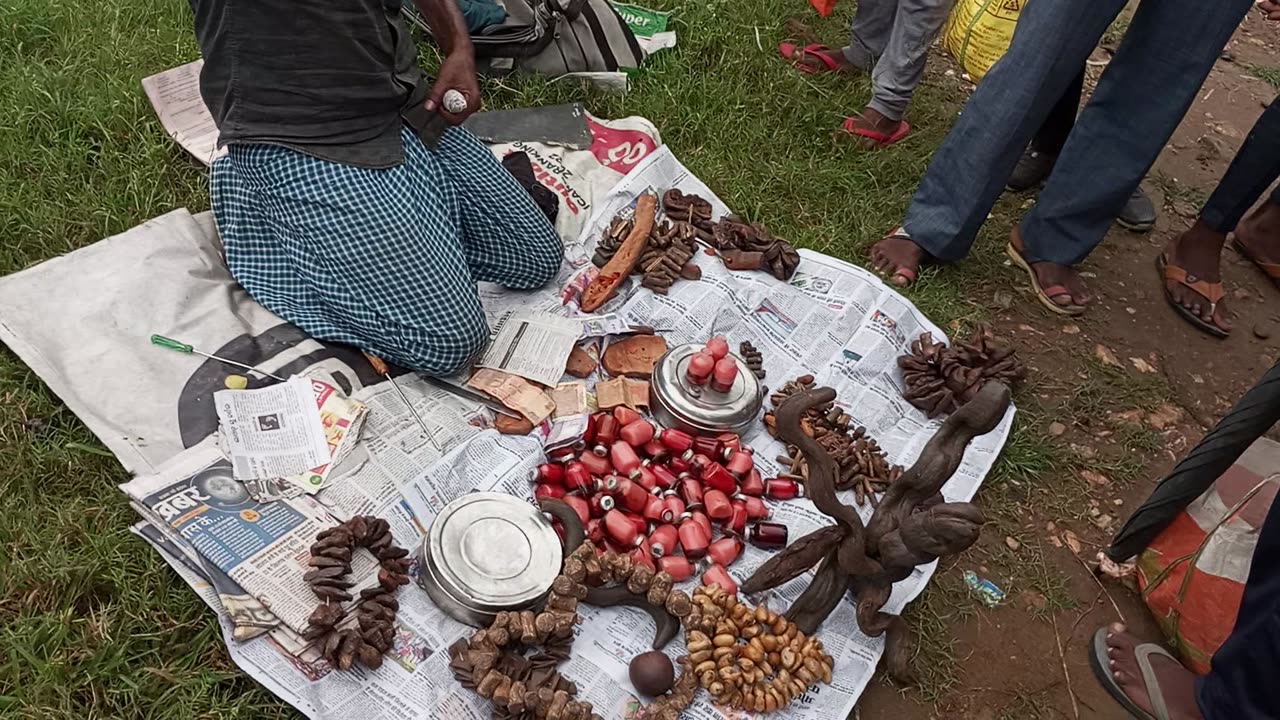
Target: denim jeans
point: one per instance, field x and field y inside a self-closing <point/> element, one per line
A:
<point x="1254" y="168"/>
<point x="1164" y="58"/>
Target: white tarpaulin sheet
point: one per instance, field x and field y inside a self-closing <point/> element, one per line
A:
<point x="83" y="321"/>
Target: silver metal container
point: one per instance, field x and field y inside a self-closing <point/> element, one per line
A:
<point x="488" y="552"/>
<point x="677" y="403"/>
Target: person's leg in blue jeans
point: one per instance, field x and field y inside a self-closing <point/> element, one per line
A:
<point x="1052" y="41"/>
<point x="1241" y="683"/>
<point x="1198" y="251"/>
<point x="1166" y="54"/>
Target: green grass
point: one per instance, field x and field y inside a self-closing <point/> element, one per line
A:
<point x="1268" y="74"/>
<point x="92" y="623"/>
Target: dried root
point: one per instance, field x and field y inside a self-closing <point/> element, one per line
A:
<point x="753" y="358"/>
<point x="376" y="612"/>
<point x="513" y="661"/>
<point x="909" y="527"/>
<point x="861" y="464"/>
<point x="940" y="378"/>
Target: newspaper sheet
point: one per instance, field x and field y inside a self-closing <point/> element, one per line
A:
<point x="533" y="346"/>
<point x="175" y="95"/>
<point x="833" y="320"/>
<point x="272" y="432"/>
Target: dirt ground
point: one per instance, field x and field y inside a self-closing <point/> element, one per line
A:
<point x="1130" y="386"/>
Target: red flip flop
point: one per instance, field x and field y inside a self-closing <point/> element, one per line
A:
<point x="789" y="52"/>
<point x="881" y="140"/>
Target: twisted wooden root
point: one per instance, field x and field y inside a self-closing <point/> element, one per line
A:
<point x="909" y="527"/>
<point x="863" y="465"/>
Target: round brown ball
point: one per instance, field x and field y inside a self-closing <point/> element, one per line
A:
<point x="652" y="673"/>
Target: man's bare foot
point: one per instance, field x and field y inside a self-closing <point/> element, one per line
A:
<point x="1198" y="251"/>
<point x="838" y="64"/>
<point x="1177" y="684"/>
<point x="1259" y="233"/>
<point x="898" y="257"/>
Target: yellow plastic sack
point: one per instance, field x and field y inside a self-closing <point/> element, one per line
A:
<point x="978" y="32"/>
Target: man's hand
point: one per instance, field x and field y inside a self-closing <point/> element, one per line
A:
<point x="1271" y="8"/>
<point x="457" y="72"/>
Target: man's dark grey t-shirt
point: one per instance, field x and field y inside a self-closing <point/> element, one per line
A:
<point x="325" y="77"/>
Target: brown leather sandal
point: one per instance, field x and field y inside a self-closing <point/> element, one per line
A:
<point x="1212" y="292"/>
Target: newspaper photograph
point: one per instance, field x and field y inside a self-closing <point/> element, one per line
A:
<point x="272" y="432"/>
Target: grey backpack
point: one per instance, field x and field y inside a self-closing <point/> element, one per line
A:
<point x="552" y="37"/>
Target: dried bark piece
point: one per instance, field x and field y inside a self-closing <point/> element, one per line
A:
<point x="508" y="425"/>
<point x="320" y="561"/>
<point x="791" y="562"/>
<point x="370" y="656"/>
<point x="325" y="615"/>
<point x="634" y="356"/>
<point x="334" y="553"/>
<point x="580" y="364"/>
<point x="331" y="593"/>
<point x="689" y="271"/>
<point x="624" y="260"/>
<point x="742" y="259"/>
<point x="329" y="572"/>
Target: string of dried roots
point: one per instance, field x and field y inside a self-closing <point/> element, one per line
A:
<point x="513" y="661"/>
<point x="374" y="631"/>
<point x="940" y="378"/>
<point x="861" y="464"/>
<point x="752" y="357"/>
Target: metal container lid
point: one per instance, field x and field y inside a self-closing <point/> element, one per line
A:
<point x="676" y="402"/>
<point x="491" y="552"/>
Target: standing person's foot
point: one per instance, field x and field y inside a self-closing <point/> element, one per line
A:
<point x="1257" y="238"/>
<point x="1138" y="213"/>
<point x="873" y="130"/>
<point x="1058" y="287"/>
<point x="1144" y="678"/>
<point x="813" y="59"/>
<point x="899" y="257"/>
<point x="1190" y="268"/>
<point x="1032" y="169"/>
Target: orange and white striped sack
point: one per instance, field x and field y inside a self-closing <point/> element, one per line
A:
<point x="1192" y="575"/>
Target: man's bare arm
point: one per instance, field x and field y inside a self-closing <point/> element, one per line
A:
<point x="446" y="23"/>
<point x="458" y="70"/>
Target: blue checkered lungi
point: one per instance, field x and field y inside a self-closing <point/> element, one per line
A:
<point x="386" y="260"/>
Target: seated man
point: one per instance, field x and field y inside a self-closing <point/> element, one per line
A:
<point x="334" y="213"/>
